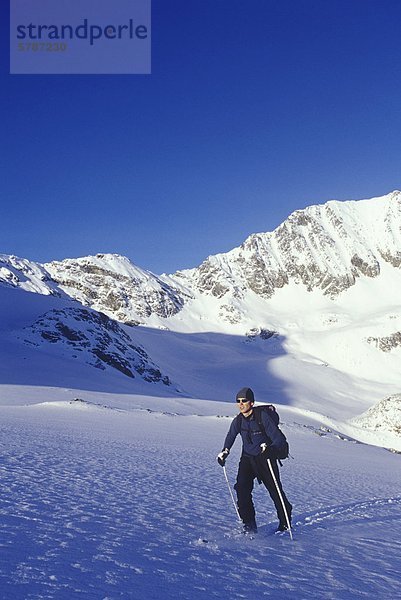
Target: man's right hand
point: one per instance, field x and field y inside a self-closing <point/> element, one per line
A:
<point x="265" y="450"/>
<point x="221" y="457"/>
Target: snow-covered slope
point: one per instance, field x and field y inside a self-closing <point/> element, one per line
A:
<point x="103" y="501"/>
<point x="24" y="274"/>
<point x="50" y="340"/>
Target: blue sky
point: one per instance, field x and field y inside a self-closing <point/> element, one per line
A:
<point x="253" y="109"/>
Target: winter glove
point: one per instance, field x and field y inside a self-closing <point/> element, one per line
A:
<point x="265" y="450"/>
<point x="221" y="457"/>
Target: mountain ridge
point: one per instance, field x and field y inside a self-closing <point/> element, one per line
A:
<point x="325" y="248"/>
<point x="294" y="251"/>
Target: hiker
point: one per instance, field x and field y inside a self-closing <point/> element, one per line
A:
<point x="261" y="440"/>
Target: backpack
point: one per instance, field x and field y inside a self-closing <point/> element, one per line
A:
<point x="284" y="451"/>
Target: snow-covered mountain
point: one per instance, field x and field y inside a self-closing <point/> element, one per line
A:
<point x="100" y="340"/>
<point x="44" y="332"/>
<point x="325" y="248"/>
<point x="308" y="313"/>
<point x="112" y="284"/>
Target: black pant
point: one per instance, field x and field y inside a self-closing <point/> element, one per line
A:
<point x="257" y="467"/>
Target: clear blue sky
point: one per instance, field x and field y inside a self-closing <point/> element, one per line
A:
<point x="254" y="109"/>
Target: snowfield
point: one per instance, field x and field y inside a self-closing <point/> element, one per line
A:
<point x="121" y="497"/>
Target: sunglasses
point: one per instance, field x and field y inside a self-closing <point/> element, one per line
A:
<point x="243" y="400"/>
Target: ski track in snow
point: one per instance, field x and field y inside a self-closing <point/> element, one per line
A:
<point x="106" y="505"/>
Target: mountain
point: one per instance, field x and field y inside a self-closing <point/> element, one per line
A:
<point x="101" y="340"/>
<point x="112" y="284"/>
<point x="50" y="338"/>
<point x="306" y="312"/>
<point x="325" y="247"/>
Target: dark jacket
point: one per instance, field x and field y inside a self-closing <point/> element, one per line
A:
<point x="252" y="435"/>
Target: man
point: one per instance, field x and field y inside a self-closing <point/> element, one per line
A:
<point x="259" y="448"/>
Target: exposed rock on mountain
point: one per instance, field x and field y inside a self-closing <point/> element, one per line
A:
<point x="386" y="343"/>
<point x="325" y="247"/>
<point x="98" y="339"/>
<point x="261" y="333"/>
<point x="383" y="416"/>
<point x="112" y="284"/>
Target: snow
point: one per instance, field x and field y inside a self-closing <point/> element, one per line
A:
<point x="115" y="497"/>
<point x="109" y="484"/>
<point x="28" y="275"/>
<point x="320" y="361"/>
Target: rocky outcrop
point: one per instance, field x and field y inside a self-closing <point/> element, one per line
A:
<point x="386" y="343"/>
<point x="384" y="416"/>
<point x="95" y="339"/>
<point x="261" y="333"/>
<point x="112" y="284"/>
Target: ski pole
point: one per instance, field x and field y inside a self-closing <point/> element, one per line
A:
<point x="281" y="497"/>
<point x="231" y="494"/>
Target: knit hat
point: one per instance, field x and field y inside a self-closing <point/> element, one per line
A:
<point x="246" y="393"/>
